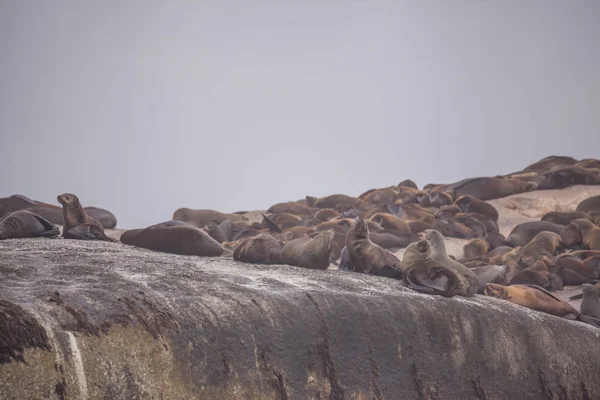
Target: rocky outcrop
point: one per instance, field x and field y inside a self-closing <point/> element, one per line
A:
<point x="96" y="320"/>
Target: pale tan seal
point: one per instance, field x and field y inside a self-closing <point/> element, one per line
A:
<point x="532" y="297"/>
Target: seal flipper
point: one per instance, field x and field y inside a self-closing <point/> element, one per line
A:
<point x="273" y="227"/>
<point x="588" y="319"/>
<point x="389" y="272"/>
<point x="51" y="230"/>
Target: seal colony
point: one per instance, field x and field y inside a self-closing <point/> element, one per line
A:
<point x="360" y="234"/>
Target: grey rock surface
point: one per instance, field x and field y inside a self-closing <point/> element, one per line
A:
<point x="97" y="320"/>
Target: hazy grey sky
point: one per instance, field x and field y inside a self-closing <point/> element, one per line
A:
<point x="142" y="107"/>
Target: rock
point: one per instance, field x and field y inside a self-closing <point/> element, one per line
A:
<point x="95" y="320"/>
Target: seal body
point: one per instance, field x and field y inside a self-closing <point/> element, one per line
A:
<point x="203" y="217"/>
<point x="468" y="280"/>
<point x="424" y="274"/>
<point x="174" y="237"/>
<point x="367" y="257"/>
<point x="312" y="253"/>
<point x="260" y="249"/>
<point x="74" y="216"/>
<point x="589" y="204"/>
<point x="590" y="305"/>
<point x="25" y="224"/>
<point x="523" y="233"/>
<point x="533" y="297"/>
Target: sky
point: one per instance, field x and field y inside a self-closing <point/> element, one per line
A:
<point x="142" y="107"/>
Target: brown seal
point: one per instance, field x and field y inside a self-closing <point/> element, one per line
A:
<point x="546" y="164"/>
<point x="468" y="280"/>
<point x="436" y="200"/>
<point x="476" y="248"/>
<point x="532" y="297"/>
<point x="14" y="203"/>
<point x="590" y="305"/>
<point x="389" y="221"/>
<point x="222" y="232"/>
<point x="176" y="237"/>
<point x="260" y="249"/>
<point x="286" y="220"/>
<point x="332" y="201"/>
<point x="292" y="207"/>
<point x="76" y="223"/>
<point x="577" y="265"/>
<point x="203" y="217"/>
<point x="325" y="215"/>
<point x="495" y="240"/>
<point x="367" y="257"/>
<point x="377" y="198"/>
<point x="424" y="274"/>
<point x="524" y="233"/>
<point x="295" y="232"/>
<point x="581" y="232"/>
<point x="409" y="184"/>
<point x="490" y="188"/>
<point x="312" y="253"/>
<point x="544" y="243"/>
<point x="562" y="177"/>
<point x="470" y="204"/>
<point x="564" y="218"/>
<point x="25" y="224"/>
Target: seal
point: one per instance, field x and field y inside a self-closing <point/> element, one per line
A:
<point x="577" y="265"/>
<point x="423" y="274"/>
<point x="377" y="198"/>
<point x="546" y="164"/>
<point x="105" y="217"/>
<point x="524" y="233"/>
<point x="490" y="274"/>
<point x="476" y="248"/>
<point x="367" y="257"/>
<point x="175" y="237"/>
<point x="495" y="240"/>
<point x="260" y="249"/>
<point x="14" y="203"/>
<point x="389" y="221"/>
<point x="581" y="232"/>
<point x="332" y="201"/>
<point x="561" y="177"/>
<point x="325" y="214"/>
<point x="590" y="305"/>
<point x="409" y="184"/>
<point x="295" y="233"/>
<point x="391" y="239"/>
<point x="468" y="280"/>
<point x="564" y="218"/>
<point x="25" y="224"/>
<point x="76" y="223"/>
<point x="490" y="188"/>
<point x="436" y="200"/>
<point x="312" y="253"/>
<point x="292" y="207"/>
<point x="532" y="297"/>
<point x="203" y="217"/>
<point x="544" y="243"/>
<point x="286" y="220"/>
<point x="215" y="232"/>
<point x="470" y="204"/>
